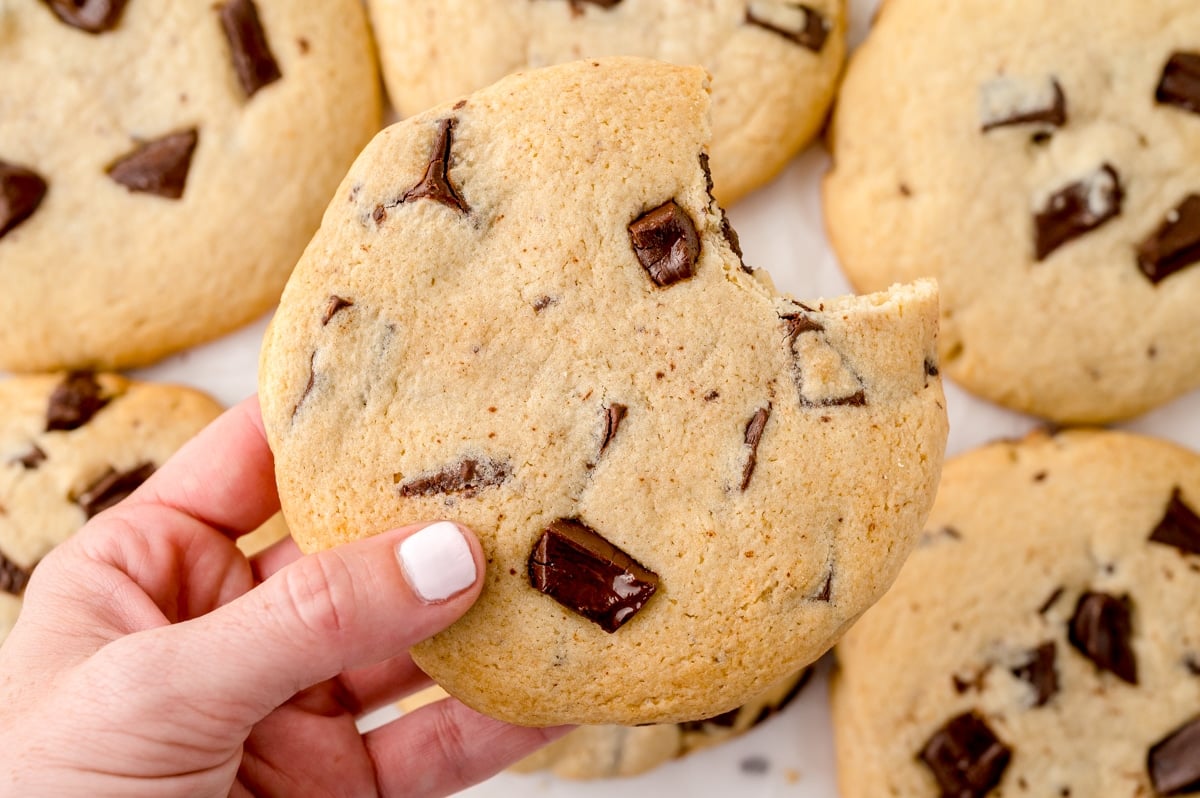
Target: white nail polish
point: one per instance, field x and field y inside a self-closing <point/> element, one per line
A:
<point x="437" y="562"/>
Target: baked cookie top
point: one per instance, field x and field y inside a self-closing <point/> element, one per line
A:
<point x="162" y="166"/>
<point x="525" y="312"/>
<point x="1044" y="165"/>
<point x="1045" y="635"/>
<point x="774" y="64"/>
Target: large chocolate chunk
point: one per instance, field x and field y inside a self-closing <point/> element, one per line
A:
<point x="467" y="477"/>
<point x="92" y="16"/>
<point x="613" y="415"/>
<point x="1179" y="527"/>
<point x="1102" y="630"/>
<point x="253" y="61"/>
<point x="21" y="192"/>
<point x="666" y="243"/>
<point x="74" y="401"/>
<point x="1010" y="100"/>
<point x="1175" y="245"/>
<point x="966" y="757"/>
<point x="588" y="575"/>
<point x="336" y="304"/>
<point x="1174" y="761"/>
<point x="810" y="29"/>
<point x="1040" y="672"/>
<point x="1076" y="209"/>
<point x="13" y="577"/>
<point x="754" y="432"/>
<point x="158" y="167"/>
<point x="1180" y="84"/>
<point x="111" y="488"/>
<point x="435" y="184"/>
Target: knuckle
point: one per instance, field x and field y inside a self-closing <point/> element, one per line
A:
<point x="318" y="593"/>
<point x="453" y="748"/>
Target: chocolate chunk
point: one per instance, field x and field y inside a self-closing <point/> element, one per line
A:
<point x="1179" y="527"/>
<point x="842" y="387"/>
<point x="468" y="477"/>
<point x="21" y="192"/>
<point x="74" y="401"/>
<point x="111" y="488"/>
<point x="312" y="380"/>
<point x="826" y="591"/>
<point x="588" y="575"/>
<point x="966" y="757"/>
<point x="92" y="16"/>
<point x="158" y="167"/>
<point x="336" y="303"/>
<point x="1174" y="761"/>
<point x="1076" y="209"/>
<point x="253" y="61"/>
<point x="577" y="5"/>
<point x="809" y="30"/>
<point x="797" y="323"/>
<point x="666" y="243"/>
<point x="754" y="431"/>
<point x="613" y="415"/>
<point x="1101" y="629"/>
<point x="931" y="369"/>
<point x="1175" y="245"/>
<point x="435" y="184"/>
<point x="1051" y="600"/>
<point x="13" y="577"/>
<point x="1040" y="672"/>
<point x="1010" y="100"/>
<point x="1180" y="84"/>
<point x="31" y="459"/>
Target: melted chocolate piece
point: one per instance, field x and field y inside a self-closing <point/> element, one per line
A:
<point x="966" y="757"/>
<point x="1101" y="629"/>
<point x="31" y="459"/>
<point x="1174" y="761"/>
<point x="253" y="61"/>
<point x="1175" y="245"/>
<point x="74" y="401"/>
<point x="588" y="575"/>
<point x="158" y="167"/>
<point x="111" y="488"/>
<point x="1179" y="527"/>
<point x="1076" y="209"/>
<point x="21" y="192"/>
<point x="798" y="324"/>
<point x="435" y="184"/>
<point x="613" y="415"/>
<point x="754" y="432"/>
<point x="826" y="591"/>
<point x="312" y="380"/>
<point x="577" y="5"/>
<point x="1040" y="672"/>
<point x="336" y="303"/>
<point x="1006" y="101"/>
<point x="13" y="577"/>
<point x="91" y="16"/>
<point x="811" y="34"/>
<point x="1180" y="84"/>
<point x="666" y="243"/>
<point x="467" y="477"/>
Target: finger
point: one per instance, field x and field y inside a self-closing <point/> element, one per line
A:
<point x="273" y="558"/>
<point x="383" y="683"/>
<point x="446" y="747"/>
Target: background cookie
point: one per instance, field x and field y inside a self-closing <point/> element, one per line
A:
<point x="1043" y="162"/>
<point x="1046" y="631"/>
<point x="163" y="165"/>
<point x="774" y="64"/>
<point x="525" y="312"/>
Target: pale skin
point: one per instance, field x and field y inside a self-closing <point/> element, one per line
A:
<point x="153" y="659"/>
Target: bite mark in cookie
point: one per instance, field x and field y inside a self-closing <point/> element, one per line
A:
<point x="966" y="757"/>
<point x="158" y="167"/>
<point x="253" y="60"/>
<point x="1175" y="245"/>
<point x="21" y="192"/>
<point x="1077" y="208"/>
<point x="90" y="16"/>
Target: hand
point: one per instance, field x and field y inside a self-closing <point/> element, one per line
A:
<point x="152" y="658"/>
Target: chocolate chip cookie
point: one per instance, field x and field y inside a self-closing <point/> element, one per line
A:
<point x="774" y="64"/>
<point x="1043" y="162"/>
<point x="1044" y="638"/>
<point x="525" y="311"/>
<point x="163" y="165"/>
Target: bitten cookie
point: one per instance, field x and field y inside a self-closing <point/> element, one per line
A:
<point x="1044" y="639"/>
<point x="774" y="64"/>
<point x="1043" y="162"/>
<point x="162" y="166"/>
<point x="525" y="312"/>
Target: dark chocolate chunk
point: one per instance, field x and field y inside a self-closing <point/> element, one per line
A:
<point x="92" y="16"/>
<point x="31" y="459"/>
<point x="1009" y="100"/>
<point x="111" y="488"/>
<point x="468" y="477"/>
<point x="312" y="380"/>
<point x="577" y="5"/>
<point x="21" y="192"/>
<point x="435" y="184"/>
<point x="543" y="302"/>
<point x="826" y="591"/>
<point x="1101" y="629"/>
<point x="1192" y="663"/>
<point x="1076" y="209"/>
<point x="1051" y="600"/>
<point x="13" y="577"/>
<point x="1180" y="84"/>
<point x="158" y="167"/>
<point x="1040" y="672"/>
<point x="613" y="415"/>
<point x="588" y="575"/>
<point x="966" y="757"/>
<point x="1175" y="245"/>
<point x="1174" y="761"/>
<point x="1179" y="527"/>
<point x="253" y="61"/>
<point x="336" y="303"/>
<point x="74" y="401"/>
<point x="811" y="33"/>
<point x="931" y="369"/>
<point x="666" y="243"/>
<point x="754" y="432"/>
<point x="798" y="323"/>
